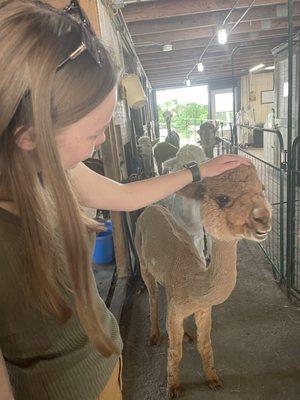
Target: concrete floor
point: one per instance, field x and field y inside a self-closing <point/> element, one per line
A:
<point x="256" y="341"/>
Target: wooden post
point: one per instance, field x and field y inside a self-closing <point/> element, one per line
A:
<point x="109" y="148"/>
<point x="89" y="7"/>
<point x="57" y="3"/>
<point x="112" y="170"/>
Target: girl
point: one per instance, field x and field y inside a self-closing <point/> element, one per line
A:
<point x="57" y="96"/>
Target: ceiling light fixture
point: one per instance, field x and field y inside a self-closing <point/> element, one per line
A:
<point x="270" y="68"/>
<point x="222" y="36"/>
<point x="200" y="67"/>
<point x="188" y="82"/>
<point x="256" y="68"/>
<point x="167" y="47"/>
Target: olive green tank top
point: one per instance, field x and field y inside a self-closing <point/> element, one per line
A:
<point x="46" y="360"/>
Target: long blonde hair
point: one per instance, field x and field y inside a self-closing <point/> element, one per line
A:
<point x="34" y="40"/>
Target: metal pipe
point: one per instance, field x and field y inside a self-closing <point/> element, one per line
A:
<point x="290" y="216"/>
<point x="230" y="12"/>
<point x="240" y="19"/>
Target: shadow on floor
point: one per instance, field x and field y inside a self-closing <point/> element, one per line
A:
<point x="255" y="338"/>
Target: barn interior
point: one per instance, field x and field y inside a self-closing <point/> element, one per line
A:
<point x="248" y="50"/>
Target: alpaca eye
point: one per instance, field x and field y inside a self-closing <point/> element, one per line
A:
<point x="223" y="200"/>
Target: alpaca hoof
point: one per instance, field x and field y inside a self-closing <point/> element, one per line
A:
<point x="188" y="337"/>
<point x="173" y="392"/>
<point x="155" y="340"/>
<point x="214" y="383"/>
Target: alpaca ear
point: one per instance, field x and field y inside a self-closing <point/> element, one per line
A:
<point x="193" y="191"/>
<point x="154" y="142"/>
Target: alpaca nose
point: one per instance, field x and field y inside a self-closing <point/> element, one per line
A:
<point x="262" y="218"/>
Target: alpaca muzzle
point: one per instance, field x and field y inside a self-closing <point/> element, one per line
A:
<point x="260" y="222"/>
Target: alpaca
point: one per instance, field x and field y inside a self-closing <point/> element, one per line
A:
<point x="162" y="151"/>
<point x="232" y="207"/>
<point x="172" y="136"/>
<point x="207" y="133"/>
<point x="186" y="211"/>
<point x="144" y="146"/>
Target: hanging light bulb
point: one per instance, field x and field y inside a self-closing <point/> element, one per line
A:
<point x="188" y="82"/>
<point x="200" y="67"/>
<point x="222" y="36"/>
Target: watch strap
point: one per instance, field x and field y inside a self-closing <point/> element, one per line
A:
<point x="194" y="168"/>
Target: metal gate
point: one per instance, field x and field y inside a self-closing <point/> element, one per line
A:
<point x="293" y="264"/>
<point x="272" y="176"/>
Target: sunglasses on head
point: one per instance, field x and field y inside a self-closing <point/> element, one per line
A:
<point x="88" y="36"/>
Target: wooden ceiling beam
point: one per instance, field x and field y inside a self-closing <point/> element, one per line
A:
<point x="208" y="19"/>
<point x="233" y="40"/>
<point x="144" y="11"/>
<point x="211" y="57"/>
<point x="198" y="33"/>
<point x="213" y="51"/>
<point x="172" y="72"/>
<point x="157" y="85"/>
<point x="207" y="64"/>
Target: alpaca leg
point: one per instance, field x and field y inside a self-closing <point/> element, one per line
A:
<point x="203" y="322"/>
<point x="159" y="167"/>
<point x="175" y="332"/>
<point x="153" y="301"/>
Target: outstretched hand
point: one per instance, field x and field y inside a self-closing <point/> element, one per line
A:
<point x="218" y="165"/>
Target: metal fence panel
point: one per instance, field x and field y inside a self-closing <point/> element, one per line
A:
<point x="273" y="178"/>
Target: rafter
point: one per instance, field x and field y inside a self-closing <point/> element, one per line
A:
<point x="233" y="40"/>
<point x="210" y="63"/>
<point x="207" y="32"/>
<point x="213" y="51"/>
<point x="173" y="8"/>
<point x="208" y="19"/>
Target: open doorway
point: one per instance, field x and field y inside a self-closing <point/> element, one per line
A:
<point x="222" y="107"/>
<point x="189" y="108"/>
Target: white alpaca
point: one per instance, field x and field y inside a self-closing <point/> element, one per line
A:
<point x="186" y="211"/>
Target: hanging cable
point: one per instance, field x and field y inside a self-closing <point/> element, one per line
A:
<point x="215" y="33"/>
<point x="240" y="19"/>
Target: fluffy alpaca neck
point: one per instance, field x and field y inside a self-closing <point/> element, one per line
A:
<point x="220" y="276"/>
<point x="222" y="268"/>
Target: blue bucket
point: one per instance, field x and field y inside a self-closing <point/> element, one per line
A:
<point x="104" y="247"/>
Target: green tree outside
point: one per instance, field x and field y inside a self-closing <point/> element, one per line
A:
<point x="186" y="117"/>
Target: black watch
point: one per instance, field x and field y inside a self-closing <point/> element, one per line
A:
<point x="194" y="168"/>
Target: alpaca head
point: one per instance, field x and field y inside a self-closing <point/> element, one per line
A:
<point x="233" y="205"/>
<point x="185" y="154"/>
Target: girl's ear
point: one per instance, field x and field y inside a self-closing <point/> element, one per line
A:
<point x="25" y="138"/>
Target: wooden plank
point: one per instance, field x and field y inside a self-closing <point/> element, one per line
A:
<point x="104" y="276"/>
<point x="172" y="8"/>
<point x="90" y="8"/>
<point x="233" y="40"/>
<point x="57" y="3"/>
<point x="150" y="59"/>
<point x="214" y="73"/>
<point x="207" y="32"/>
<point x="118" y="298"/>
<point x="211" y="66"/>
<point x="224" y="59"/>
<point x="207" y="19"/>
<point x="112" y="170"/>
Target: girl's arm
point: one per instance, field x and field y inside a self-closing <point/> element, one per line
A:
<point x="96" y="191"/>
<point x="5" y="388"/>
